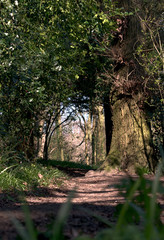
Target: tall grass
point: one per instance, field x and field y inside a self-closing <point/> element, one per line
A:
<point x="26" y="175"/>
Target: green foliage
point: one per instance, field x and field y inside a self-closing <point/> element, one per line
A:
<point x="25" y="176"/>
<point x="64" y="164"/>
<point x="45" y="47"/>
<point x="30" y="231"/>
<point x="149" y="55"/>
<point x="17" y="174"/>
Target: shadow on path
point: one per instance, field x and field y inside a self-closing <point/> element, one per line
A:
<point x="94" y="192"/>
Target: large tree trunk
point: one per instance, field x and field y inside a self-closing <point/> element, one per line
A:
<point x="131" y="137"/>
<point x="131" y="140"/>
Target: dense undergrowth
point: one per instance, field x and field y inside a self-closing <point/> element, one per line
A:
<point x="27" y="175"/>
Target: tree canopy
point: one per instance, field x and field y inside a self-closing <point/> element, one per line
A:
<point x="55" y="53"/>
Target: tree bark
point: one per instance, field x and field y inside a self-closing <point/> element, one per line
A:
<point x="131" y="140"/>
<point x="108" y="124"/>
<point x="94" y="122"/>
<point x="98" y="134"/>
<point x="101" y="143"/>
<point x="131" y="144"/>
<point x="41" y="139"/>
<point x="59" y="136"/>
<point x="87" y="138"/>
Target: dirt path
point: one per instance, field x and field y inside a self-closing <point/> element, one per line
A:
<point x="94" y="191"/>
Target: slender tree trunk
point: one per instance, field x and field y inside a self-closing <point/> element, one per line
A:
<point x="101" y="143"/>
<point x="88" y="138"/>
<point x="59" y="136"/>
<point x="98" y="134"/>
<point x="108" y="124"/>
<point x="86" y="146"/>
<point x="90" y="126"/>
<point x="94" y="123"/>
<point x="41" y="139"/>
<point x="45" y="155"/>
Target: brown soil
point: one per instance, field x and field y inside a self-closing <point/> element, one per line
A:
<point x="95" y="191"/>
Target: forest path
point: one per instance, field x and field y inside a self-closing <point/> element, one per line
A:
<point x="96" y="191"/>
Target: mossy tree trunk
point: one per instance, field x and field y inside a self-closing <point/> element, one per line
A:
<point x="41" y="139"/>
<point x="131" y="144"/>
<point x="87" y="138"/>
<point x="59" y="136"/>
<point x="98" y="134"/>
<point x="131" y="140"/>
<point x="101" y="141"/>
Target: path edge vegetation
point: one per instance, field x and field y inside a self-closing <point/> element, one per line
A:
<point x="138" y="218"/>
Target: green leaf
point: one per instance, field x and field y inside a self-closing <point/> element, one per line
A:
<point x="61" y="219"/>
